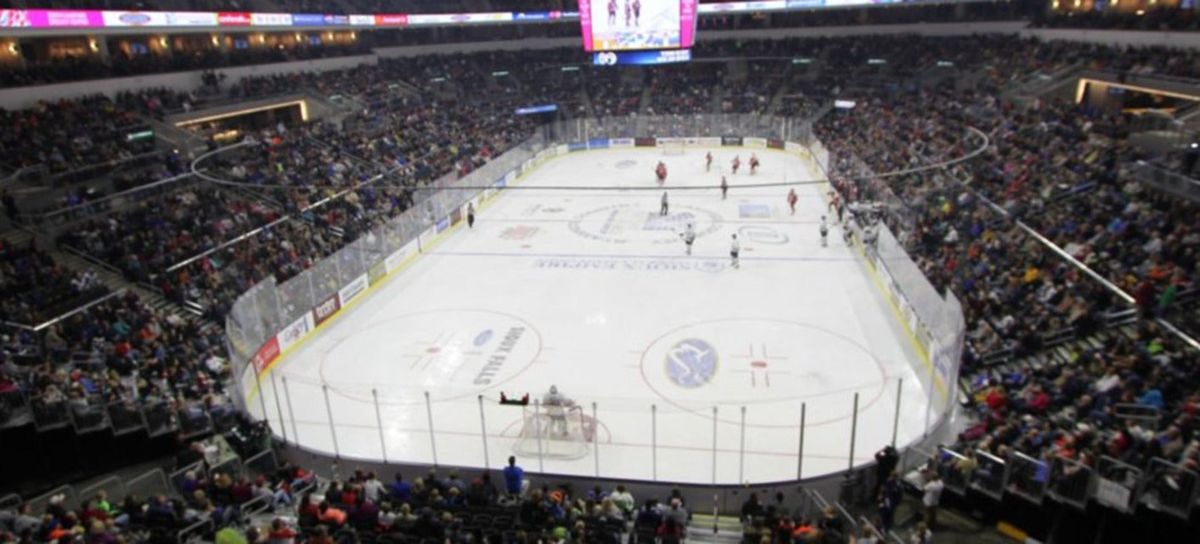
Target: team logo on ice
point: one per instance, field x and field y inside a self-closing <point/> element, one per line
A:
<point x="691" y="363"/>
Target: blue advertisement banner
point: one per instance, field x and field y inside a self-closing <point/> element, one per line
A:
<point x="641" y="58"/>
<point x="308" y="19"/>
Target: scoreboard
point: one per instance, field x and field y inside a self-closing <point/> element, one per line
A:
<point x="630" y="25"/>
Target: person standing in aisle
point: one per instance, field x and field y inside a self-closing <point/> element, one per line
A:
<point x="470" y="215"/>
<point x="734" y="249"/>
<point x="514" y="478"/>
<point x="931" y="497"/>
<point x="724" y="187"/>
<point x="662" y="210"/>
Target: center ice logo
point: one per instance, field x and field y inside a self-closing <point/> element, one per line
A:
<point x="691" y="363"/>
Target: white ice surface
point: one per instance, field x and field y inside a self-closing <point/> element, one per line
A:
<point x="590" y="290"/>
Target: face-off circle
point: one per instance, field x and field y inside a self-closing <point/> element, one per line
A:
<point x="451" y="353"/>
<point x="622" y="223"/>
<point x="767" y="365"/>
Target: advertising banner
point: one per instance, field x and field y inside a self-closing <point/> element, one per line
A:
<point x="576" y="146"/>
<point x="308" y="19"/>
<point x="671" y="141"/>
<point x="52" y="18"/>
<point x="353" y="289"/>
<point x="294" y="332"/>
<point x="731" y="140"/>
<point x="425" y="238"/>
<point x="456" y="216"/>
<point x="377" y="272"/>
<point x="135" y="18"/>
<point x="443" y="224"/>
<point x="754" y="142"/>
<point x="621" y="142"/>
<point x="644" y="142"/>
<point x="391" y="19"/>
<point x="265" y="355"/>
<point x="394" y="261"/>
<point x="271" y="19"/>
<point x="326" y="309"/>
<point x="14" y="18"/>
<point x="234" y="18"/>
<point x="459" y="18"/>
<point x="362" y="20"/>
<point x="191" y="18"/>
<point x="598" y="143"/>
<point x="708" y="141"/>
<point x="773" y="143"/>
<point x="531" y="16"/>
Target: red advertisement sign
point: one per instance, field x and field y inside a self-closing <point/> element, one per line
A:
<point x="234" y="18"/>
<point x="391" y="19"/>
<point x="266" y="355"/>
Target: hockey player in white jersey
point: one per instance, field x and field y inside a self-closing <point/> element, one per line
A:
<point x="689" y="236"/>
<point x="556" y="405"/>
<point x="824" y="232"/>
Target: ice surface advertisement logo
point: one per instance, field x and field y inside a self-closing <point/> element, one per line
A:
<point x="691" y="363"/>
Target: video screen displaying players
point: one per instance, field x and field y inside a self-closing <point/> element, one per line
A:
<point x="621" y="25"/>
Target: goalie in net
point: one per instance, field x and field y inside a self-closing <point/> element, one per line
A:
<point x="555" y="428"/>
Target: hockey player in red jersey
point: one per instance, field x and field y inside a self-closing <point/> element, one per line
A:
<point x="737" y="162"/>
<point x="753" y="164"/>
<point x="791" y="200"/>
<point x="660" y="172"/>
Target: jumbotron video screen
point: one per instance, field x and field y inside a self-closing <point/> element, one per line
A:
<point x="624" y="25"/>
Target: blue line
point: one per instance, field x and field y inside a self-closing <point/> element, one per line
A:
<point x="610" y="256"/>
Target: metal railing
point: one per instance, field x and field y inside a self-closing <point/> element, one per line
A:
<point x="1165" y="180"/>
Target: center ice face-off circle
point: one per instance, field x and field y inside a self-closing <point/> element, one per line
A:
<point x="627" y="222"/>
<point x="761" y="363"/>
<point x="450" y="353"/>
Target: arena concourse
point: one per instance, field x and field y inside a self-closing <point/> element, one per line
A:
<point x="425" y="272"/>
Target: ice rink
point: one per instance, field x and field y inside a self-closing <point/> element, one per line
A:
<point x="590" y="290"/>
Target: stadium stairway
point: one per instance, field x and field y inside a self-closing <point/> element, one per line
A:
<point x="111" y="277"/>
<point x="718" y="530"/>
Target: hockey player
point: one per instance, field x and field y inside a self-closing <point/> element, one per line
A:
<point x="628" y="12"/>
<point x="737" y="162"/>
<point x="792" y="199"/>
<point x="708" y="161"/>
<point x="612" y="12"/>
<point x="724" y="187"/>
<point x="688" y="236"/>
<point x="637" y="12"/>
<point x="753" y="164"/>
<point x="734" y="249"/>
<point x="660" y="173"/>
<point x="824" y="232"/>
<point x="556" y="405"/>
<point x="470" y="215"/>
<point x="662" y="210"/>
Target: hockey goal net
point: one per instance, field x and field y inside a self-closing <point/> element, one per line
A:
<point x="672" y="149"/>
<point x="556" y="433"/>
